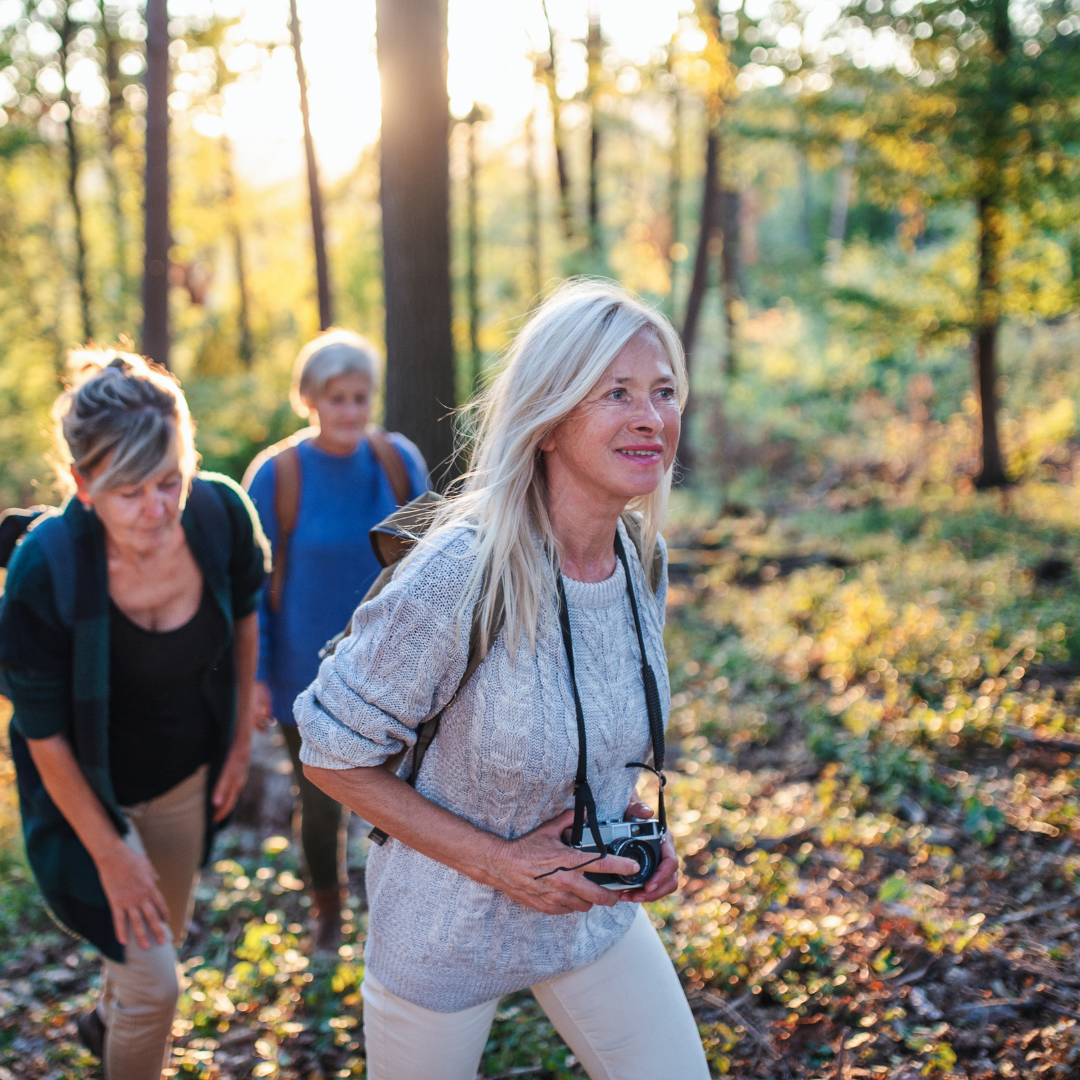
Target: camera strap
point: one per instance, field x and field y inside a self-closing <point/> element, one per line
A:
<point x="584" y="803"/>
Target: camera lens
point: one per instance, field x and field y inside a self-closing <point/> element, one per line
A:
<point x="642" y="853"/>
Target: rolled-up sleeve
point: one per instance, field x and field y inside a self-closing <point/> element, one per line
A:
<point x="401" y="663"/>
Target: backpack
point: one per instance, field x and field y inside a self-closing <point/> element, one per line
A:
<point x="392" y="539"/>
<point x="286" y="461"/>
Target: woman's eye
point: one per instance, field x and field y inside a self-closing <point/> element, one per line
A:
<point x="618" y="395"/>
<point x="667" y="392"/>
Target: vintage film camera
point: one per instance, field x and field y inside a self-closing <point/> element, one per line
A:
<point x="637" y="840"/>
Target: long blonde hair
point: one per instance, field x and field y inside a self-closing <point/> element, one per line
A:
<point x="553" y="364"/>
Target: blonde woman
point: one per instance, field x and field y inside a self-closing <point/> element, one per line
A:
<point x="128" y="637"/>
<point x="318" y="493"/>
<point x="476" y="894"/>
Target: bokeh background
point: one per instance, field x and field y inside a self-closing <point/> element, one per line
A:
<point x="864" y="218"/>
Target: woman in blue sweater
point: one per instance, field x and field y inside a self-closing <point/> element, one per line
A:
<point x="318" y="493"/>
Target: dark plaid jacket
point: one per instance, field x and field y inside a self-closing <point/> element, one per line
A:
<point x="59" y="679"/>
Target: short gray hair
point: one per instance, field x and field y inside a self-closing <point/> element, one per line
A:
<point x="334" y="352"/>
<point x="117" y="403"/>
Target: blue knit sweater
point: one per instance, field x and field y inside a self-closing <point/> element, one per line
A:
<point x="330" y="561"/>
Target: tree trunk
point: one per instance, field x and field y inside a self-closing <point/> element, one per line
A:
<point x="535" y="249"/>
<point x="675" y="179"/>
<point x="708" y="234"/>
<point x="155" y="340"/>
<point x="322" y="270"/>
<point x="845" y="181"/>
<point x="551" y="76"/>
<point x="987" y="314"/>
<point x="113" y="142"/>
<point x="729" y="275"/>
<point x="805" y="198"/>
<point x="593" y="47"/>
<point x="245" y="347"/>
<point x="472" y="241"/>
<point x="67" y="32"/>
<point x="415" y="196"/>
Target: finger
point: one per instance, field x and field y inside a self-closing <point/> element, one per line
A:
<point x="637" y="810"/>
<point x="120" y="925"/>
<point x="159" y="904"/>
<point x="138" y="928"/>
<point x="154" y="922"/>
<point x="614" y="864"/>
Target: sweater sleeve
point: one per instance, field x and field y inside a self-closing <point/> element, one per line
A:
<point x="261" y="493"/>
<point x="402" y="663"/>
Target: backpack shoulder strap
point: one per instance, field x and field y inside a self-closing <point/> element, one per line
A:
<point x="53" y="536"/>
<point x="286" y="510"/>
<point x="389" y="457"/>
<point x="13" y="523"/>
<point x="654" y="571"/>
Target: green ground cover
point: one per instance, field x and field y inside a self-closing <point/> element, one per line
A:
<point x="873" y="783"/>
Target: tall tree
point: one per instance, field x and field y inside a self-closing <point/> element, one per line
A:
<point x="845" y="182"/>
<point x="535" y="250"/>
<point x="415" y="197"/>
<point x="477" y="115"/>
<point x="675" y="174"/>
<point x="111" y="43"/>
<point x="594" y="59"/>
<point x="988" y="96"/>
<point x="322" y="268"/>
<point x="547" y="68"/>
<point x="67" y="35"/>
<point x="155" y="336"/>
<point x="718" y="85"/>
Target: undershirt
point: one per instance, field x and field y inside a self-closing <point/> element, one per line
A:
<point x="161" y="727"/>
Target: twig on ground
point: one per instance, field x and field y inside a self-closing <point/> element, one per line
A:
<point x="1069" y="743"/>
<point x="1072" y="900"/>
<point x="725" y="1006"/>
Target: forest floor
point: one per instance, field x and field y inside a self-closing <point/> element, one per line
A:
<point x="874" y="787"/>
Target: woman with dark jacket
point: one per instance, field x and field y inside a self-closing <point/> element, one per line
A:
<point x="129" y="640"/>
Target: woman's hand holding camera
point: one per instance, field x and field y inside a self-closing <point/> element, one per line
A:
<point x="516" y="867"/>
<point x="666" y="878"/>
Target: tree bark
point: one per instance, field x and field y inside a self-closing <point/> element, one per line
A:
<point x="113" y="142"/>
<point x="845" y="181"/>
<point x="322" y="269"/>
<point x="535" y="249"/>
<point x="675" y="180"/>
<point x="729" y="275"/>
<point x="472" y="241"/>
<point x="987" y="311"/>
<point x="245" y="347"/>
<point x="708" y="234"/>
<point x="155" y="338"/>
<point x="593" y="49"/>
<point x="415" y="196"/>
<point x="67" y="33"/>
<point x="551" y="75"/>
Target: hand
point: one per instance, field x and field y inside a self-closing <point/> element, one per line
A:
<point x="262" y="706"/>
<point x="514" y="867"/>
<point x="231" y="781"/>
<point x="665" y="879"/>
<point x="129" y="880"/>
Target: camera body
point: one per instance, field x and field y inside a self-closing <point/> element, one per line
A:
<point x="637" y="840"/>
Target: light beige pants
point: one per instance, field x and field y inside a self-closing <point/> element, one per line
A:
<point x="624" y="1016"/>
<point x="138" y="997"/>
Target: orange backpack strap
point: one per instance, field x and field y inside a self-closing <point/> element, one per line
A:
<point x="286" y="510"/>
<point x="389" y="457"/>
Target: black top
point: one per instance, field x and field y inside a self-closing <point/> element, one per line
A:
<point x="161" y="726"/>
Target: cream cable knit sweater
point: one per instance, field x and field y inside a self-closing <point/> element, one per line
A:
<point x="504" y="759"/>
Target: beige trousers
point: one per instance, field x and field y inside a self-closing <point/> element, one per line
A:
<point x="624" y="1016"/>
<point x="138" y="997"/>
